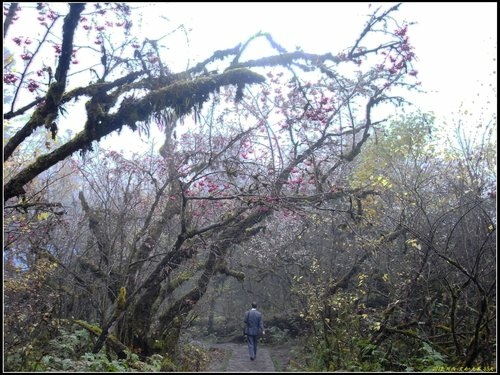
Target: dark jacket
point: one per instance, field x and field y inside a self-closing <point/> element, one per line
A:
<point x="254" y="322"/>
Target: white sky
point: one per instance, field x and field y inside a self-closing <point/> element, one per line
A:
<point x="455" y="43"/>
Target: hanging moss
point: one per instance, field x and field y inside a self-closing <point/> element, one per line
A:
<point x="182" y="96"/>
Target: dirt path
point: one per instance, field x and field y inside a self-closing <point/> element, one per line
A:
<point x="231" y="357"/>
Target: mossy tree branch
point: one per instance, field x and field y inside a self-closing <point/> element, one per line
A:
<point x="113" y="342"/>
<point x="183" y="96"/>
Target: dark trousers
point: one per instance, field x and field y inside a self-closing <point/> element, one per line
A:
<point x="252" y="345"/>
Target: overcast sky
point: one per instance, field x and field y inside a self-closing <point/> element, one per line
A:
<point x="455" y="43"/>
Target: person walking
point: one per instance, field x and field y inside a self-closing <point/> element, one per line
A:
<point x="254" y="327"/>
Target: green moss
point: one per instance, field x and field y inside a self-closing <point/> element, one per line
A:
<point x="167" y="365"/>
<point x="184" y="95"/>
<point x="180" y="279"/>
<point x="90" y="327"/>
<point x="158" y="345"/>
<point x="171" y="335"/>
<point x="121" y="299"/>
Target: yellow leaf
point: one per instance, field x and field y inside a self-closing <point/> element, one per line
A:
<point x="43" y="216"/>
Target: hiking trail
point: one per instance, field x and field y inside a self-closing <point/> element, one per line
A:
<point x="233" y="357"/>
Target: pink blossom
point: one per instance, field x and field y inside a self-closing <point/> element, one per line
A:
<point x="9" y="78"/>
<point x="32" y="86"/>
